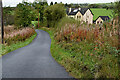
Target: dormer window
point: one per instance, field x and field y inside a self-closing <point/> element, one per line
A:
<point x="75" y="10"/>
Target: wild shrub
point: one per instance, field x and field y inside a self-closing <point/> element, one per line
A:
<point x="19" y="35"/>
<point x="92" y="50"/>
<point x="53" y="14"/>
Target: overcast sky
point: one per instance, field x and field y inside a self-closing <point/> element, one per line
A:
<point x="15" y="2"/>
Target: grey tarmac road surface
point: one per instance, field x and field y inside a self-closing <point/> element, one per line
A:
<point x="33" y="61"/>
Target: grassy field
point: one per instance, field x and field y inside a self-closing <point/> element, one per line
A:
<point x="101" y="12"/>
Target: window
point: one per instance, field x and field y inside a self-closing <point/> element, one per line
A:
<point x="98" y="22"/>
<point x="87" y="22"/>
<point x="106" y="19"/>
<point x="78" y="17"/>
<point x="101" y="22"/>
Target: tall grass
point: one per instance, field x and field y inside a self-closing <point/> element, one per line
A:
<point x="86" y="51"/>
<point x="18" y="35"/>
<point x="9" y="48"/>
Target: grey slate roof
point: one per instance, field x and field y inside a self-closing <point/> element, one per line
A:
<point x="82" y="11"/>
<point x="104" y="18"/>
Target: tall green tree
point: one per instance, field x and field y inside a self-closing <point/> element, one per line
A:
<point x="55" y="2"/>
<point x="24" y="14"/>
<point x="51" y="3"/>
<point x="117" y="8"/>
<point x="40" y="5"/>
<point x="54" y="13"/>
<point x="8" y="15"/>
<point x="117" y="11"/>
<point x="66" y="5"/>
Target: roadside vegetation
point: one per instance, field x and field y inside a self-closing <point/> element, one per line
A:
<point x="86" y="51"/>
<point x="14" y="39"/>
<point x="17" y="35"/>
<point x="6" y="49"/>
<point x="18" y="29"/>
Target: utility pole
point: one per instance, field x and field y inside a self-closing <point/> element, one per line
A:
<point x="38" y="17"/>
<point x="1" y="22"/>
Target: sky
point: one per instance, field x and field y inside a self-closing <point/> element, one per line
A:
<point x="15" y="2"/>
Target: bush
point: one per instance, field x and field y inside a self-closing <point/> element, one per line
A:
<point x="86" y="51"/>
<point x="19" y="35"/>
<point x="8" y="15"/>
<point x="53" y="14"/>
<point x="24" y="14"/>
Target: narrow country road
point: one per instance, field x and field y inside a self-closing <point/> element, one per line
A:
<point x="33" y="61"/>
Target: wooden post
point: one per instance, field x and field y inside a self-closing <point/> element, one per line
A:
<point x="1" y="22"/>
<point x="38" y="17"/>
<point x="119" y="28"/>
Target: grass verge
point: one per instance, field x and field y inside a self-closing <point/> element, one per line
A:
<point x="6" y="49"/>
<point x="58" y="53"/>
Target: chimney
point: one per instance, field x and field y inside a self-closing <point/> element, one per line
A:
<point x="79" y="8"/>
<point x="70" y="10"/>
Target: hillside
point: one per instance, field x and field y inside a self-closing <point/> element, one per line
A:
<point x="101" y="12"/>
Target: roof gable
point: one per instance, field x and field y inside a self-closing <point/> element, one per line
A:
<point x="104" y="18"/>
<point x="74" y="11"/>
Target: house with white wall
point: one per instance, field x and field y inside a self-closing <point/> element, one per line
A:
<point x="81" y="14"/>
<point x="101" y="19"/>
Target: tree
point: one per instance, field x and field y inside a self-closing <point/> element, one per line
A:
<point x="117" y="10"/>
<point x="69" y="5"/>
<point x="55" y="2"/>
<point x="61" y="2"/>
<point x="51" y="3"/>
<point x="54" y="13"/>
<point x="24" y="14"/>
<point x="66" y="5"/>
<point x="94" y="6"/>
<point x="40" y="5"/>
<point x="8" y="15"/>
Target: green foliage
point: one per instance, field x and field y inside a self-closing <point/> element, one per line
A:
<point x="8" y="15"/>
<point x="14" y="46"/>
<point x="51" y="3"/>
<point x="95" y="5"/>
<point x="19" y="35"/>
<point x="40" y="5"/>
<point x="24" y="14"/>
<point x="53" y="14"/>
<point x="55" y="2"/>
<point x="89" y="57"/>
<point x="67" y="20"/>
<point x="117" y="8"/>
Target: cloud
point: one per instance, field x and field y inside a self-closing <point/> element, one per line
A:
<point x="15" y="2"/>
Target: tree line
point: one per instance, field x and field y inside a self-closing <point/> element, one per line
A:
<point x="39" y="10"/>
